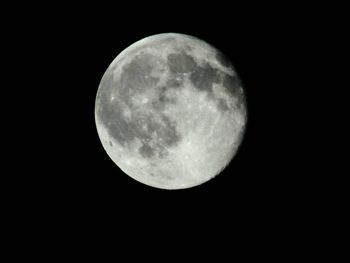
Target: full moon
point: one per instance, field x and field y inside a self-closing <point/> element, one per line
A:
<point x="171" y="111"/>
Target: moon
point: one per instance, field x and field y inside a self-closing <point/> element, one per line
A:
<point x="171" y="111"/>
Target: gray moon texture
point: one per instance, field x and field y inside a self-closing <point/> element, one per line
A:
<point x="171" y="111"/>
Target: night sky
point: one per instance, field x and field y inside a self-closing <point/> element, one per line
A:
<point x="68" y="177"/>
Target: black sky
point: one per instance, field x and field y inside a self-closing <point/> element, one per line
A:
<point x="68" y="175"/>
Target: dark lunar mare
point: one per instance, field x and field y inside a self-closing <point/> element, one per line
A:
<point x="222" y="59"/>
<point x="135" y="79"/>
<point x="203" y="78"/>
<point x="180" y="63"/>
<point x="163" y="99"/>
<point x="174" y="81"/>
<point x="222" y="105"/>
<point x="233" y="85"/>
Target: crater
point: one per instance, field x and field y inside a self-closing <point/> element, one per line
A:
<point x="163" y="99"/>
<point x="175" y="81"/>
<point x="107" y="85"/>
<point x="146" y="151"/>
<point x="222" y="105"/>
<point x="166" y="137"/>
<point x="144" y="125"/>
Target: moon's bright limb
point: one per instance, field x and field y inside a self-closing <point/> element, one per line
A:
<point x="170" y="111"/>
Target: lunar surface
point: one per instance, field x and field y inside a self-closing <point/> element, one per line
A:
<point x="170" y="111"/>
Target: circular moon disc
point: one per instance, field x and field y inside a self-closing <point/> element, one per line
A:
<point x="170" y="111"/>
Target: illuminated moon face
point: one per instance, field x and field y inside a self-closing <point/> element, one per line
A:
<point x="170" y="111"/>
